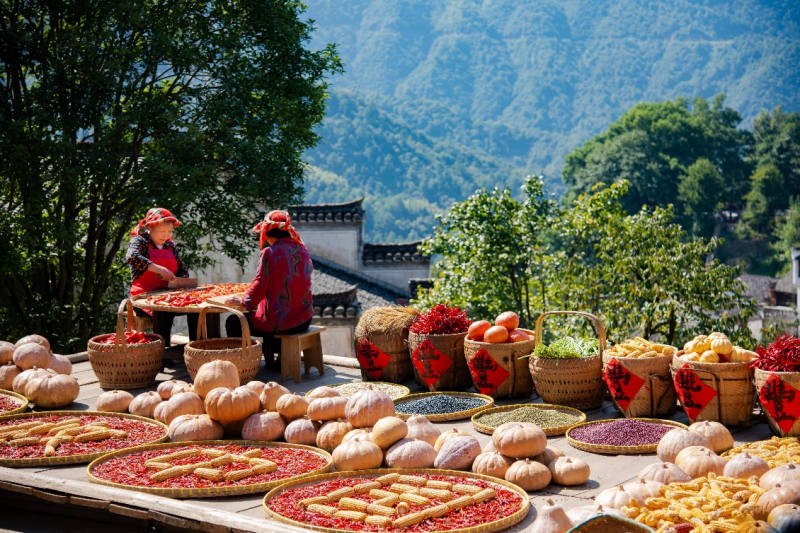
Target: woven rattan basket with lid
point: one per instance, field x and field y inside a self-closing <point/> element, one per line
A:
<point x="457" y="376"/>
<point x="790" y="378"/>
<point x="126" y="366"/>
<point x="657" y="395"/>
<point x="577" y="383"/>
<point x="242" y="351"/>
<point x="381" y="332"/>
<point x="518" y="384"/>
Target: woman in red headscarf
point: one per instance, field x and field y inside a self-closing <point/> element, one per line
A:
<point x="280" y="294"/>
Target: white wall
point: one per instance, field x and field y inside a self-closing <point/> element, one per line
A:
<point x="398" y="275"/>
<point x="340" y="245"/>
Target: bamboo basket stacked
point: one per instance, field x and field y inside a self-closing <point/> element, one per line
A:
<point x="457" y="376"/>
<point x="507" y="355"/>
<point x="387" y="329"/>
<point x="790" y="378"/>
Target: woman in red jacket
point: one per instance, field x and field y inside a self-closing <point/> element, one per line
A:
<point x="280" y="294"/>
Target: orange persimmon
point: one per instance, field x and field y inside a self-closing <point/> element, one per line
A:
<point x="496" y="334"/>
<point x="508" y="320"/>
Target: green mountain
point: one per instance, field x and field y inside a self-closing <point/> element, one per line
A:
<point x="440" y="98"/>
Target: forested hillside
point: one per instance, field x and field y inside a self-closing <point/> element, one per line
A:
<point x="440" y="98"/>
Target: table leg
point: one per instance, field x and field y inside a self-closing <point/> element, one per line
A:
<point x="162" y="325"/>
<point x="212" y="325"/>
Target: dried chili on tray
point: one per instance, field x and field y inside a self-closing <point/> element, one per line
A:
<point x="783" y="355"/>
<point x="441" y="320"/>
<point x="131" y="337"/>
<point x="197" y="296"/>
<point x="9" y="403"/>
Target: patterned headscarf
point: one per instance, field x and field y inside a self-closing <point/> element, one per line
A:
<point x="154" y="217"/>
<point x="276" y="220"/>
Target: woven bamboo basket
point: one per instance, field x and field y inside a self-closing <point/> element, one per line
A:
<point x="126" y="366"/>
<point x="518" y="384"/>
<point x="548" y="431"/>
<point x="489" y="527"/>
<point x="790" y="378"/>
<point x="618" y="450"/>
<point x="606" y="523"/>
<point x="576" y="383"/>
<point x="399" y="368"/>
<point x="23" y="406"/>
<point x="457" y="376"/>
<point x="736" y="392"/>
<point x="657" y="396"/>
<point x="444" y="417"/>
<point x="402" y="391"/>
<point x="243" y="352"/>
<point x="207" y="492"/>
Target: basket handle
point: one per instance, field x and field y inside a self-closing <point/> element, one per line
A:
<point x="247" y="341"/>
<point x="601" y="331"/>
<point x="119" y="337"/>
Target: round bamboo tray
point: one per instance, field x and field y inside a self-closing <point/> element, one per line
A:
<point x="489" y="527"/>
<point x="140" y="302"/>
<point x="207" y="492"/>
<point x="550" y="432"/>
<point x="618" y="450"/>
<point x="444" y="417"/>
<point x="605" y="523"/>
<point x="74" y="459"/>
<point x="21" y="408"/>
<point x="406" y="390"/>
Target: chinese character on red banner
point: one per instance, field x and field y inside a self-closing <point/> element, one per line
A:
<point x="781" y="401"/>
<point x="430" y="362"/>
<point x="372" y="360"/>
<point x="694" y="394"/>
<point x="622" y="384"/>
<point x="486" y="373"/>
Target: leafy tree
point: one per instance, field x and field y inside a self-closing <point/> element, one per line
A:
<point x="787" y="230"/>
<point x="765" y="197"/>
<point x="111" y="107"/>
<point x="700" y="192"/>
<point x="777" y="142"/>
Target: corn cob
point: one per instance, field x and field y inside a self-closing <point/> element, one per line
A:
<point x="388" y="479"/>
<point x="212" y="452"/>
<point x="264" y="468"/>
<point x="118" y="433"/>
<point x="466" y="489"/>
<point x="41" y="429"/>
<point x="414" y="499"/>
<point x="18" y="427"/>
<point x="351" y="504"/>
<point x="68" y="422"/>
<point x="458" y="503"/>
<point x="401" y="487"/>
<point x="412" y="480"/>
<point x="236" y="475"/>
<point x="338" y="494"/>
<point x="203" y="464"/>
<point x="409" y="520"/>
<point x="71" y="431"/>
<point x="437" y="511"/>
<point x="158" y="466"/>
<point x="361" y="488"/>
<point x="93" y="436"/>
<point x="485" y="494"/>
<point x="57" y="428"/>
<point x="100" y="423"/>
<point x="378" y="520"/>
<point x="355" y="516"/>
<point x="24" y="441"/>
<point x="49" y="451"/>
<point x="441" y="495"/>
<point x="240" y="459"/>
<point x="315" y="500"/>
<point x="441" y="485"/>
<point x="382" y="510"/>
<point x="222" y="460"/>
<point x="256" y="461"/>
<point x="211" y="474"/>
<point x="388" y="501"/>
<point x="378" y="494"/>
<point x="255" y="453"/>
<point x="173" y="456"/>
<point x="402" y="509"/>
<point x="327" y="510"/>
<point x="170" y="473"/>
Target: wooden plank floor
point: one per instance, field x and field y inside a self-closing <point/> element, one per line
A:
<point x="69" y="485"/>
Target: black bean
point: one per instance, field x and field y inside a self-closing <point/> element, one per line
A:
<point x="438" y="405"/>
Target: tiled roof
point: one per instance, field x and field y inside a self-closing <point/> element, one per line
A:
<point x="345" y="212"/>
<point x="757" y="287"/>
<point x="786" y="284"/>
<point x="393" y="253"/>
<point x="330" y="291"/>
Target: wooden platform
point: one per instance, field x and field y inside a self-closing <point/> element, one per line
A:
<point x="65" y="490"/>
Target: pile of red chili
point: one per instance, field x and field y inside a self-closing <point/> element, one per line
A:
<point x="9" y="403"/>
<point x="131" y="337"/>
<point x="197" y="296"/>
<point x="441" y="320"/>
<point x="783" y="355"/>
<point x="130" y="469"/>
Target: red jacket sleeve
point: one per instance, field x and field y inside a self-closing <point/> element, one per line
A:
<point x="258" y="289"/>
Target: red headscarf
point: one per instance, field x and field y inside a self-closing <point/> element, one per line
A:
<point x="154" y="217"/>
<point x="276" y="220"/>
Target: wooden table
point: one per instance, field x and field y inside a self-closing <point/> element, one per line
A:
<point x="67" y="490"/>
<point x="213" y="329"/>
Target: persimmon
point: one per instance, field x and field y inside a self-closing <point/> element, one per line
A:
<point x="496" y="335"/>
<point x="508" y="320"/>
<point x="478" y="329"/>
<point x="517" y="335"/>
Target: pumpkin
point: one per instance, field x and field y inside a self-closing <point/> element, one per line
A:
<point x="781" y="494"/>
<point x="52" y="391"/>
<point x="194" y="427"/>
<point x="331" y="433"/>
<point x="691" y="357"/>
<point x="700" y="464"/>
<point x="6" y="352"/>
<point x="368" y="406"/>
<point x="363" y="433"/>
<point x="23" y="378"/>
<point x="569" y="471"/>
<point x="30" y="355"/>
<point x="323" y="392"/>
<point x="519" y="439"/>
<point x="447" y="435"/>
<point x="233" y="428"/>
<point x="548" y="455"/>
<point x="578" y="515"/>
<point x="551" y="519"/>
<point x="327" y="408"/>
<point x="33" y="339"/>
<point x="493" y="464"/>
<point x="703" y="344"/>
<point x="489" y="447"/>
<point x="301" y="431"/>
<point x="755" y="527"/>
<point x="458" y="453"/>
<point x="256" y="386"/>
<point x="410" y="453"/>
<point x="709" y="356"/>
<point x="8" y="372"/>
<point x="618" y="497"/>
<point x="740" y="355"/>
<point x="186" y="387"/>
<point x="291" y="406"/>
<point x="528" y="475"/>
<point x="145" y="404"/>
<point x="266" y="425"/>
<point x="676" y="440"/>
<point x="665" y="473"/>
<point x="60" y="364"/>
<point x="785" y="518"/>
<point x="167" y="388"/>
<point x="270" y="395"/>
<point x="215" y="374"/>
<point x="722" y="345"/>
<point x="419" y="427"/>
<point x="158" y="412"/>
<point x="686" y="452"/>
<point x="115" y="401"/>
<point x="357" y="454"/>
<point x="387" y="431"/>
<point x="718" y="435"/>
<point x="496" y="335"/>
<point x="745" y="466"/>
<point x="780" y="474"/>
<point x="226" y="405"/>
<point x="647" y="489"/>
<point x="184" y="403"/>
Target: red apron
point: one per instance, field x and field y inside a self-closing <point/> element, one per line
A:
<point x="150" y="281"/>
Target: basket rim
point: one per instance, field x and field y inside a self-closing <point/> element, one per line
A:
<point x="206" y="492"/>
<point x="496" y="344"/>
<point x="18" y="410"/>
<point x="444" y="417"/>
<point x="495" y="525"/>
<point x="334" y="385"/>
<point x="618" y="450"/>
<point x="440" y="335"/>
<point x="238" y="348"/>
<point x="613" y="518"/>
<point x="81" y="458"/>
<point x="618" y="358"/>
<point x="677" y="362"/>
<point x="549" y="432"/>
<point x="533" y="357"/>
<point x="150" y="344"/>
<point x="761" y="371"/>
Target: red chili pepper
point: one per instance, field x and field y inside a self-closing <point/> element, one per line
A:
<point x="783" y="355"/>
<point x="8" y="403"/>
<point x="441" y="320"/>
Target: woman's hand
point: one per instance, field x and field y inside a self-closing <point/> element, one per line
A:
<point x="161" y="272"/>
<point x="233" y="300"/>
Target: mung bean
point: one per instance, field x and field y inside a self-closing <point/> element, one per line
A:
<point x="544" y="418"/>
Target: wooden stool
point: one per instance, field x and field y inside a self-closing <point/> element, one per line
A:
<point x="310" y="344"/>
<point x="143" y="323"/>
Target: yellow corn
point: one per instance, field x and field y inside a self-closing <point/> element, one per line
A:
<point x="24" y="441"/>
<point x="409" y="520"/>
<point x="458" y="503"/>
<point x="462" y="488"/>
<point x="49" y="451"/>
<point x="170" y="473"/>
<point x="118" y="433"/>
<point x="174" y="456"/>
<point x="718" y="525"/>
<point x="315" y="500"/>
<point x="211" y="474"/>
<point x="41" y="429"/>
<point x="7" y="430"/>
<point x="100" y="424"/>
<point x="211" y="452"/>
<point x="255" y="453"/>
<point x="377" y="494"/>
<point x="71" y="431"/>
<point x="387" y="479"/>
<point x="264" y="468"/>
<point x="158" y="466"/>
<point x="414" y="499"/>
<point x="388" y="501"/>
<point x="437" y="511"/>
<point x="441" y="495"/>
<point x="383" y="510"/>
<point x="412" y="480"/>
<point x="378" y="520"/>
<point x="351" y="504"/>
<point x="338" y="494"/>
<point x="222" y="460"/>
<point x="326" y="510"/>
<point x="361" y="488"/>
<point x="402" y="509"/>
<point x="236" y="475"/>
<point x="355" y="516"/>
<point x="93" y="436"/>
<point x="402" y="487"/>
<point x="485" y="494"/>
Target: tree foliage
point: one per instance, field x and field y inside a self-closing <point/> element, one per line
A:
<point x="112" y="107"/>
<point x="764" y="199"/>
<point x="700" y="191"/>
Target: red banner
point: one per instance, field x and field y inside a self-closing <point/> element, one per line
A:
<point x="486" y="373"/>
<point x="694" y="394"/>
<point x="781" y="401"/>
<point x="623" y="384"/>
<point x="430" y="362"/>
<point x="373" y="361"/>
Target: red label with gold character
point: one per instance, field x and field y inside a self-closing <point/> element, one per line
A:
<point x="781" y="401"/>
<point x="430" y="362"/>
<point x="487" y="374"/>
<point x="622" y="383"/>
<point x="694" y="394"/>
<point x="373" y="361"/>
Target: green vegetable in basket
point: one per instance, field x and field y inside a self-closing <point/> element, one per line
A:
<point x="568" y="348"/>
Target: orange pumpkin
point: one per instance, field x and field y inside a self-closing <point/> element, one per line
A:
<point x="508" y="320"/>
<point x="477" y="330"/>
<point x="516" y="335"/>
